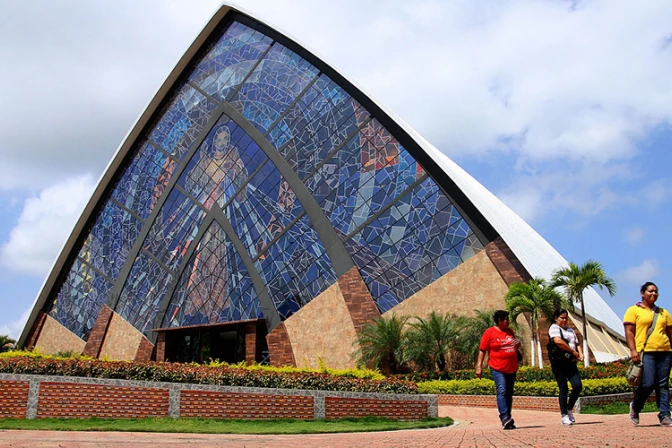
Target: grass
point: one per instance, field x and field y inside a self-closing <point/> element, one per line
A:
<point x="615" y="408"/>
<point x="219" y="426"/>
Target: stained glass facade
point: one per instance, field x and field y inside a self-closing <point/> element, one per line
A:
<point x="213" y="196"/>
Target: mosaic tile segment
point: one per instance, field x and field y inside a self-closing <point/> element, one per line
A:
<point x="214" y="287"/>
<point x="80" y="298"/>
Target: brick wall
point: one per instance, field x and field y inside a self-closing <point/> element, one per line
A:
<point x="13" y="399"/>
<point x="490" y="401"/>
<point x="38" y="396"/>
<point x="197" y="403"/>
<point x="336" y="407"/>
<point x="72" y="400"/>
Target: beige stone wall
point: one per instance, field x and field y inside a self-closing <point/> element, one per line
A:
<point x="55" y="338"/>
<point x="323" y="328"/>
<point x="121" y="340"/>
<point x="473" y="284"/>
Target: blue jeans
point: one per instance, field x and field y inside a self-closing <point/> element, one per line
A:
<point x="563" y="373"/>
<point x="504" y="385"/>
<point x="656" y="376"/>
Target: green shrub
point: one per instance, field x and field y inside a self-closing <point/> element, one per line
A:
<point x="220" y="374"/>
<point x="531" y="388"/>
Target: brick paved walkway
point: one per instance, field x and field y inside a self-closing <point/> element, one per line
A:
<point x="478" y="427"/>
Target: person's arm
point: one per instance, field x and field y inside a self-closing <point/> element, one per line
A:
<point x="630" y="339"/>
<point x="562" y="345"/>
<point x="479" y="363"/>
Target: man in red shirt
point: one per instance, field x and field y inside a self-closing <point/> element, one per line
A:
<point x="501" y="345"/>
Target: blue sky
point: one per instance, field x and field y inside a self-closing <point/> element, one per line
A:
<point x="561" y="108"/>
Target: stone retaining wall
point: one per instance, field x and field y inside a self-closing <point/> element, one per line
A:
<point x="37" y="396"/>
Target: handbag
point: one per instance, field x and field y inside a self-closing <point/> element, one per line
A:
<point x="635" y="370"/>
<point x="556" y="355"/>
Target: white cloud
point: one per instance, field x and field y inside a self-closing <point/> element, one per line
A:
<point x="645" y="271"/>
<point x="43" y="226"/>
<point x="13" y="329"/>
<point x="634" y="235"/>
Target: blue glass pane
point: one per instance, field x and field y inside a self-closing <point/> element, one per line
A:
<point x="182" y="121"/>
<point x="215" y="286"/>
<point x="296" y="268"/>
<point x="229" y="61"/>
<point x="144" y="181"/>
<point x="174" y="229"/>
<point x="79" y="299"/>
<point x="145" y="288"/>
<point x="110" y="240"/>
<point x="275" y="83"/>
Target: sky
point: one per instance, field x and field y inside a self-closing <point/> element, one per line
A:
<point x="561" y="108"/>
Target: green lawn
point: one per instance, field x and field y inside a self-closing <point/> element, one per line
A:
<point x="616" y="408"/>
<point x="215" y="426"/>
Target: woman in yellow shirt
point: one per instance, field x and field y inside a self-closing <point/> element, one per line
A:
<point x="654" y="352"/>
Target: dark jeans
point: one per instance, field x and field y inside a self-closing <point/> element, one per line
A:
<point x="656" y="376"/>
<point x="564" y="372"/>
<point x="504" y="385"/>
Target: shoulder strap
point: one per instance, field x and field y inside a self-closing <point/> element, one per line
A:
<point x="653" y="325"/>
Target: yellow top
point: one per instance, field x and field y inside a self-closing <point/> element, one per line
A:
<point x="641" y="318"/>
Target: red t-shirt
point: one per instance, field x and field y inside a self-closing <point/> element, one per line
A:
<point x="501" y="348"/>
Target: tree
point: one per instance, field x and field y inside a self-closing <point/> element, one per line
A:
<point x="575" y="279"/>
<point x="538" y="299"/>
<point x="470" y="330"/>
<point x="429" y="340"/>
<point x="6" y="343"/>
<point x="382" y="343"/>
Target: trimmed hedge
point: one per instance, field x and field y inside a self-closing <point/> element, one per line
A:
<point x="531" y="388"/>
<point x="223" y="375"/>
<point x="525" y="374"/>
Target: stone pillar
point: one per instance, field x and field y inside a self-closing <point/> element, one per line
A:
<point x="97" y="336"/>
<point x="34" y="334"/>
<point x="506" y="263"/>
<point x="280" y="347"/>
<point x="250" y="342"/>
<point x="357" y="297"/>
<point x="161" y="346"/>
<point x="145" y="349"/>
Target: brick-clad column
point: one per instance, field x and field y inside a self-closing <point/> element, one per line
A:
<point x="145" y="350"/>
<point x="31" y="340"/>
<point x="357" y="297"/>
<point x="161" y="346"/>
<point x="250" y="342"/>
<point x="97" y="336"/>
<point x="506" y="263"/>
<point x="280" y="347"/>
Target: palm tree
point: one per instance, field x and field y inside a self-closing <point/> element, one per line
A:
<point x="469" y="336"/>
<point x="575" y="279"/>
<point x="430" y="340"/>
<point x="382" y="343"/>
<point x="538" y="299"/>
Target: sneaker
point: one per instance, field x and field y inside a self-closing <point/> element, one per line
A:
<point x="508" y="423"/>
<point x="570" y="414"/>
<point x="666" y="421"/>
<point x="634" y="416"/>
<point x="566" y="420"/>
